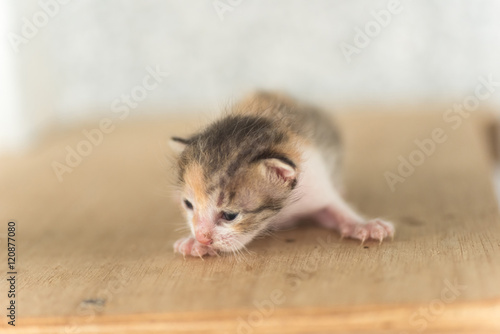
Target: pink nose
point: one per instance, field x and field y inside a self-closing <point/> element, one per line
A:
<point x="203" y="238"/>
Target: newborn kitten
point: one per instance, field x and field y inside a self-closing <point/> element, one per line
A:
<point x="268" y="163"/>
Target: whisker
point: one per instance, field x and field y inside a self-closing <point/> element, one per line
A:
<point x="239" y="250"/>
<point x="243" y="247"/>
<point x="234" y="251"/>
<point x="182" y="228"/>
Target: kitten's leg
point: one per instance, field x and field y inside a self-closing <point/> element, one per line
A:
<point x="339" y="215"/>
<point x="189" y="246"/>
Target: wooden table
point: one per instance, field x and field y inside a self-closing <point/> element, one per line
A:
<point x="94" y="252"/>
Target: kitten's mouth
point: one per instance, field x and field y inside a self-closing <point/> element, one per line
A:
<point x="218" y="246"/>
<point x="227" y="242"/>
<point x="224" y="245"/>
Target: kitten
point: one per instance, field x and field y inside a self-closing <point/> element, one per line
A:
<point x="265" y="165"/>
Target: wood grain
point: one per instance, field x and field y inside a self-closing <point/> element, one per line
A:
<point x="95" y="251"/>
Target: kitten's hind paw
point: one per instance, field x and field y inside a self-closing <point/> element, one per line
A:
<point x="376" y="229"/>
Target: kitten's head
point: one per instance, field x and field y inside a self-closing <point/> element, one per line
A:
<point x="230" y="194"/>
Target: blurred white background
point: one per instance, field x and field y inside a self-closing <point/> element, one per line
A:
<point x="63" y="61"/>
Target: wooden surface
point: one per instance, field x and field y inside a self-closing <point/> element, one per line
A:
<point x="95" y="251"/>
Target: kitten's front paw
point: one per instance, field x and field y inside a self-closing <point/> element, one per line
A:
<point x="189" y="246"/>
<point x="377" y="229"/>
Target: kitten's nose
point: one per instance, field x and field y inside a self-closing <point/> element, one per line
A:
<point x="203" y="238"/>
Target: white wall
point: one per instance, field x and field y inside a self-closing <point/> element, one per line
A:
<point x="13" y="133"/>
<point x="90" y="52"/>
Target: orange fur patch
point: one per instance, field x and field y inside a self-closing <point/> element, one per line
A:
<point x="196" y="183"/>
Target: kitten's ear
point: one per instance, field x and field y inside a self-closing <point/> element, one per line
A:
<point x="178" y="144"/>
<point x="280" y="170"/>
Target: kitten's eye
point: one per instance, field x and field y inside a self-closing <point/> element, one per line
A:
<point x="188" y="204"/>
<point x="229" y="216"/>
